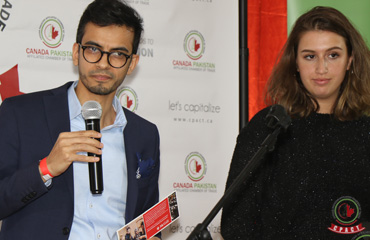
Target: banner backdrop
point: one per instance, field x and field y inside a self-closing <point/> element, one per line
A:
<point x="186" y="83"/>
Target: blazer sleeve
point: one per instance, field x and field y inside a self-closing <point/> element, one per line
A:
<point x="20" y="183"/>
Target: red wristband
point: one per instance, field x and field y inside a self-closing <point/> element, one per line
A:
<point x="44" y="169"/>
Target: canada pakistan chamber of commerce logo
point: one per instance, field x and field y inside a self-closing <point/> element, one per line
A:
<point x="128" y="98"/>
<point x="194" y="45"/>
<point x="346" y="211"/>
<point x="195" y="166"/>
<point x="51" y="32"/>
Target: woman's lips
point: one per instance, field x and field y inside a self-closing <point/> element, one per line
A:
<point x="321" y="81"/>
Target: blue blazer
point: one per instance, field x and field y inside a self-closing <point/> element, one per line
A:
<point x="29" y="126"/>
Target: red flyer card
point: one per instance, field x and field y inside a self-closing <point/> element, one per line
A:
<point x="152" y="221"/>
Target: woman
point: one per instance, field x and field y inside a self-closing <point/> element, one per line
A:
<point x="316" y="184"/>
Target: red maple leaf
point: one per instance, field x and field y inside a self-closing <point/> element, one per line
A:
<point x="198" y="167"/>
<point x="54" y="33"/>
<point x="196" y="45"/>
<point x="9" y="83"/>
<point x="350" y="211"/>
<point x="129" y="102"/>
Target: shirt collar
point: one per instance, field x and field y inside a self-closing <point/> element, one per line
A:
<point x="75" y="108"/>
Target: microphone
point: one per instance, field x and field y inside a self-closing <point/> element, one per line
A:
<point x="91" y="112"/>
<point x="278" y="117"/>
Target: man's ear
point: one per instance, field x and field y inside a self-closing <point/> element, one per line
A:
<point x="133" y="63"/>
<point x="75" y="53"/>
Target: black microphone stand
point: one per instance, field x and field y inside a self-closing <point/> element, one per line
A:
<point x="278" y="120"/>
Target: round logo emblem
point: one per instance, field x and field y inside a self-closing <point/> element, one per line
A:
<point x="51" y="32"/>
<point x="195" y="166"/>
<point x="362" y="236"/>
<point x="346" y="210"/>
<point x="128" y="98"/>
<point x="194" y="45"/>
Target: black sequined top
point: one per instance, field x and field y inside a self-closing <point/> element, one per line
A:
<point x="292" y="195"/>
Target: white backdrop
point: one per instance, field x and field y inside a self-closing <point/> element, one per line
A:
<point x="186" y="83"/>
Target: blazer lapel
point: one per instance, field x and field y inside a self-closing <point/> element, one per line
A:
<point x="132" y="188"/>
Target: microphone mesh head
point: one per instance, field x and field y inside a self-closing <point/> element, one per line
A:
<point x="91" y="110"/>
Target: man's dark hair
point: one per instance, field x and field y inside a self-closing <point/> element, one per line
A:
<point x="111" y="12"/>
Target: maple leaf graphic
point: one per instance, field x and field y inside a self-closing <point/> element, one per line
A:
<point x="128" y="102"/>
<point x="9" y="83"/>
<point x="54" y="33"/>
<point x="350" y="211"/>
<point x="196" y="45"/>
<point x="198" y="167"/>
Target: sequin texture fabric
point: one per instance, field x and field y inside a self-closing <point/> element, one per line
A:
<point x="291" y="195"/>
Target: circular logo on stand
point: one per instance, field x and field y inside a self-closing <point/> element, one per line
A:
<point x="194" y="45"/>
<point x="128" y="98"/>
<point x="195" y="166"/>
<point x="51" y="32"/>
<point x="346" y="210"/>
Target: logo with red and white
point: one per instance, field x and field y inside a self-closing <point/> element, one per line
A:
<point x="194" y="45"/>
<point x="51" y="32"/>
<point x="195" y="166"/>
<point x="128" y="98"/>
<point x="346" y="212"/>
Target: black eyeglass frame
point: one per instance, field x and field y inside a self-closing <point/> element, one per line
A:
<point x="102" y="54"/>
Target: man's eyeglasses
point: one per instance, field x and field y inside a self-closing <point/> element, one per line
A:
<point x="93" y="54"/>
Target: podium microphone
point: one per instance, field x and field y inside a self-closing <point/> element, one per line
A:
<point x="91" y="112"/>
<point x="278" y="120"/>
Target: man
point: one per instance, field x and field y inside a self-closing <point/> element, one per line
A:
<point x="50" y="199"/>
<point x="128" y="234"/>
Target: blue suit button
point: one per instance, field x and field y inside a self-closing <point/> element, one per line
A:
<point x="66" y="231"/>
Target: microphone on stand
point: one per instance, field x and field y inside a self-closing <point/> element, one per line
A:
<point x="91" y="112"/>
<point x="278" y="120"/>
<point x="278" y="117"/>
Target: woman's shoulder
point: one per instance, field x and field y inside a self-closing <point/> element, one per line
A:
<point x="261" y="114"/>
<point x="257" y="124"/>
<point x="259" y="119"/>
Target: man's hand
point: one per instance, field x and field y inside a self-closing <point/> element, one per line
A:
<point x="68" y="144"/>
